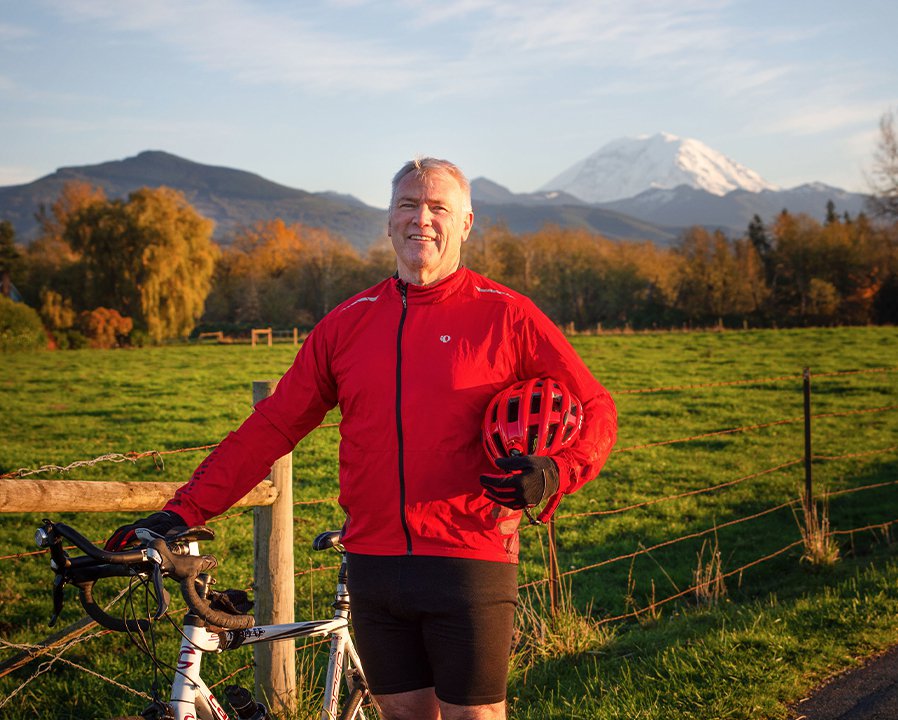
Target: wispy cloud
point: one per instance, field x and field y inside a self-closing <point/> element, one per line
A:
<point x="253" y="44"/>
<point x="423" y="45"/>
<point x="10" y="32"/>
<point x="821" y="116"/>
<point x="466" y="48"/>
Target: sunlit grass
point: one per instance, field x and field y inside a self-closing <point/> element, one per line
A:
<point x="743" y="657"/>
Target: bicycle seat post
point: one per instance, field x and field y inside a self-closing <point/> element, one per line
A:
<point x="341" y="600"/>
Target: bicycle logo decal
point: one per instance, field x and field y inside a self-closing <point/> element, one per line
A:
<point x="183" y="660"/>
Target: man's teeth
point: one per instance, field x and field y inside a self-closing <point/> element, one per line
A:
<point x="420" y="237"/>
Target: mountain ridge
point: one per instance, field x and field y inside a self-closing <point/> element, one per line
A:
<point x="628" y="166"/>
<point x="238" y="198"/>
<point x="232" y="198"/>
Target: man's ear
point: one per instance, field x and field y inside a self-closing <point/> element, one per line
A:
<point x="468" y="224"/>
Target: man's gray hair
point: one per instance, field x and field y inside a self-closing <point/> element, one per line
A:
<point x="425" y="166"/>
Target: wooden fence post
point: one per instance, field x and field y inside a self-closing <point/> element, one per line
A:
<point x="808" y="456"/>
<point x="274" y="590"/>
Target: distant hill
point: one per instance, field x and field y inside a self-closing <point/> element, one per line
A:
<point x="232" y="198"/>
<point x="684" y="206"/>
<point x="529" y="212"/>
<point x="235" y="198"/>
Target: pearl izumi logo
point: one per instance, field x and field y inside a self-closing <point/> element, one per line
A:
<point x="445" y="338"/>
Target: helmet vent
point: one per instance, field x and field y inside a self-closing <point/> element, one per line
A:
<point x="538" y="417"/>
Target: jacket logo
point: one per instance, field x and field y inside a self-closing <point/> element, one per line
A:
<point x="445" y="338"/>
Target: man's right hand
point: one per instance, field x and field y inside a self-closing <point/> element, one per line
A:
<point x="160" y="523"/>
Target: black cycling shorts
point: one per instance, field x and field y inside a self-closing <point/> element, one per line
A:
<point x="436" y="622"/>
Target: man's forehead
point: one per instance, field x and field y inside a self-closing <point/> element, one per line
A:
<point x="435" y="182"/>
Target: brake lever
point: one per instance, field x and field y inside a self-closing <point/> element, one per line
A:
<point x="162" y="596"/>
<point x="46" y="537"/>
<point x="58" y="597"/>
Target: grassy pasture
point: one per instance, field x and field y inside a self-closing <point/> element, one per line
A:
<point x="782" y="624"/>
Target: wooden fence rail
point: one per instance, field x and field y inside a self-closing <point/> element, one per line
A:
<point x="273" y="570"/>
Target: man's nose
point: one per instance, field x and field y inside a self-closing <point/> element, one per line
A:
<point x="423" y="215"/>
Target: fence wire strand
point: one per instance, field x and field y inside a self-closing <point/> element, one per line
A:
<point x="688" y="493"/>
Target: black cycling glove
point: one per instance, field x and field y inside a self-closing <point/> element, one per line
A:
<point x="160" y="523"/>
<point x="531" y="479"/>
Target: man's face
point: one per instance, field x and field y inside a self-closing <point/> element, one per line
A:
<point x="428" y="223"/>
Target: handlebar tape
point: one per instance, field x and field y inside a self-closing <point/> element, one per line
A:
<point x="185" y="569"/>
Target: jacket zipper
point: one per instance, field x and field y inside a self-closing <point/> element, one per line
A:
<point x="403" y="289"/>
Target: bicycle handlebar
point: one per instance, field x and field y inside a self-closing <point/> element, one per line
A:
<point x="159" y="557"/>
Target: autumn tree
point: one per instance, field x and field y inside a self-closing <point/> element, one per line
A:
<point x="254" y="276"/>
<point x="284" y="275"/>
<point x="150" y="258"/>
<point x="717" y="277"/>
<point x="50" y="263"/>
<point x="884" y="181"/>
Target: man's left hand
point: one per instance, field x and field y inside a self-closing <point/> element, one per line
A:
<point x="530" y="480"/>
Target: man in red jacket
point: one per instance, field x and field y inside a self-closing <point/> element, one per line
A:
<point x="431" y="530"/>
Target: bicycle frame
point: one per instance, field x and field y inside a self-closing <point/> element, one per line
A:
<point x="206" y="628"/>
<point x="190" y="693"/>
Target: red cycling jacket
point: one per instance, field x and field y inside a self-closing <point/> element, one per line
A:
<point x="412" y="369"/>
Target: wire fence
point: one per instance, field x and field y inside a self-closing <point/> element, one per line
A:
<point x="52" y="651"/>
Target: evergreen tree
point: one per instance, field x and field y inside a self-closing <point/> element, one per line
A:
<point x="10" y="257"/>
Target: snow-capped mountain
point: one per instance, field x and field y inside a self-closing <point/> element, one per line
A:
<point x="627" y="167"/>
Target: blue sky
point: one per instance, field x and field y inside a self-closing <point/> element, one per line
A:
<point x="336" y="94"/>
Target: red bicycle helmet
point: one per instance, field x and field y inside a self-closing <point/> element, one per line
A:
<point x="532" y="417"/>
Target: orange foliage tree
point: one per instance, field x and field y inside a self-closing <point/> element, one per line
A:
<point x="104" y="327"/>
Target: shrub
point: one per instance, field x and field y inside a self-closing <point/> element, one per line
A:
<point x="104" y="327"/>
<point x="140" y="339"/>
<point x="20" y="327"/>
<point x="56" y="311"/>
<point x="70" y="340"/>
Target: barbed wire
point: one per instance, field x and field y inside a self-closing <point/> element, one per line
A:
<point x="750" y="381"/>
<point x="57" y="657"/>
<point x="656" y="603"/>
<point x="865" y="371"/>
<point x="687" y="493"/>
<point x="697" y="386"/>
<point x="666" y="543"/>
<point x="248" y="666"/>
<point x="855" y="455"/>
<point x="713" y="433"/>
<point x="131" y="457"/>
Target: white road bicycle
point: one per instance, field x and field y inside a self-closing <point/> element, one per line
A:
<point x="215" y="621"/>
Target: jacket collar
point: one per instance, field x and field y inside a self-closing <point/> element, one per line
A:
<point x="439" y="291"/>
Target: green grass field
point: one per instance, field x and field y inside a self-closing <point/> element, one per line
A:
<point x="779" y="626"/>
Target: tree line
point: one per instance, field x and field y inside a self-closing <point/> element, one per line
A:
<point x="145" y="269"/>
